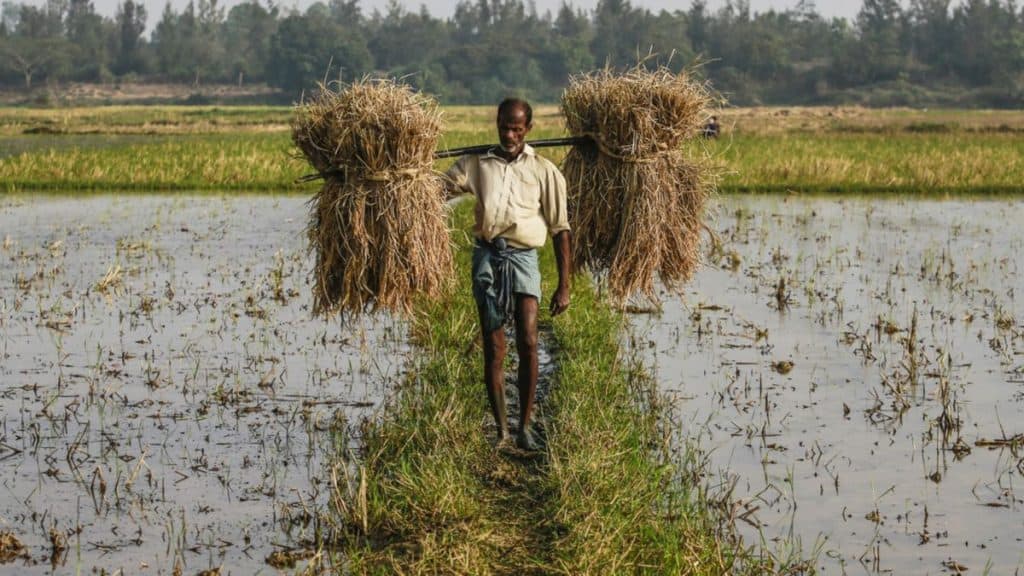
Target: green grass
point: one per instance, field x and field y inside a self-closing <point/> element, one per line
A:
<point x="942" y="162"/>
<point x="617" y="492"/>
<point x="430" y="494"/>
<point x="182" y="148"/>
<point x="854" y="163"/>
<point x="254" y="161"/>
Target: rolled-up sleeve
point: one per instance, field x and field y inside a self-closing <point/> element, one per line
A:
<point x="554" y="202"/>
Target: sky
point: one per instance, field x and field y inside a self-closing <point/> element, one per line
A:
<point x="444" y="8"/>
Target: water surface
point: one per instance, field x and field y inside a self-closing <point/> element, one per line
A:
<point x="852" y="368"/>
<point x="167" y="398"/>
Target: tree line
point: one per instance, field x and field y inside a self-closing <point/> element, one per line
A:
<point x="929" y="52"/>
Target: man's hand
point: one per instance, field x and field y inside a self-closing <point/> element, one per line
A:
<point x="563" y="258"/>
<point x="560" y="301"/>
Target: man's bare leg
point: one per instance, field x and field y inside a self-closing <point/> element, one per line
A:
<point x="494" y="378"/>
<point x="526" y="345"/>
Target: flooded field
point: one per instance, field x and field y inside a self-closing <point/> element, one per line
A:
<point x="854" y="372"/>
<point x="168" y="404"/>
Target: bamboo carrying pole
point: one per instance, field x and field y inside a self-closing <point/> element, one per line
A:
<point x="478" y="149"/>
<point x="482" y="149"/>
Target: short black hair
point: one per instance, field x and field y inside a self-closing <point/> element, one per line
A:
<point x="511" y="103"/>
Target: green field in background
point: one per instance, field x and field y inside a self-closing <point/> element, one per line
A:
<point x="248" y="148"/>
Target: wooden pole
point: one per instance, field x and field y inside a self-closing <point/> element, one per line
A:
<point x="483" y="149"/>
<point x="479" y="149"/>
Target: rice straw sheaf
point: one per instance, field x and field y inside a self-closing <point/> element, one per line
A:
<point x="378" y="224"/>
<point x="636" y="200"/>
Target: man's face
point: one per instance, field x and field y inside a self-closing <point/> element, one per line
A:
<point x="512" y="130"/>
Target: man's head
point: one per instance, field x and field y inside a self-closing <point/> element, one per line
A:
<point x="515" y="119"/>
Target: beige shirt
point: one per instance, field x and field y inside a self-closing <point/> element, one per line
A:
<point x="522" y="201"/>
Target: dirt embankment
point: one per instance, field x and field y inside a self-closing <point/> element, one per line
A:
<point x="77" y="93"/>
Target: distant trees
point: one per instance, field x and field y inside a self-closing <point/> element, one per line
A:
<point x="881" y="25"/>
<point x="248" y="30"/>
<point x="411" y="45"/>
<point x="189" y="46"/>
<point x="88" y="32"/>
<point x="33" y="45"/>
<point x="315" y="46"/>
<point x="130" y="23"/>
<point x="914" y="52"/>
<point x="33" y="58"/>
<point x="571" y="36"/>
<point x="619" y="33"/>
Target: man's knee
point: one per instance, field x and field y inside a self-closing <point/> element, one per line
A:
<point x="526" y="323"/>
<point x="494" y="344"/>
<point x="526" y="341"/>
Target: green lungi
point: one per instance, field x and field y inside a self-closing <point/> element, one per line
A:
<point x="499" y="273"/>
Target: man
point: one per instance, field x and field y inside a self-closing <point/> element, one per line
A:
<point x="711" y="129"/>
<point x="520" y="199"/>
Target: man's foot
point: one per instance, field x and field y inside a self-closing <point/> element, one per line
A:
<point x="503" y="437"/>
<point x="524" y="440"/>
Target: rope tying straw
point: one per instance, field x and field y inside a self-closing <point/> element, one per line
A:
<point x="389" y="175"/>
<point x="602" y="147"/>
<point x="379" y="176"/>
<point x="627" y="158"/>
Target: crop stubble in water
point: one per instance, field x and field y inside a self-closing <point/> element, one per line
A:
<point x="167" y="397"/>
<point x="880" y="434"/>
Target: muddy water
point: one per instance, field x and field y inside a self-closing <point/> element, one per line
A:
<point x="854" y="372"/>
<point x="165" y="397"/>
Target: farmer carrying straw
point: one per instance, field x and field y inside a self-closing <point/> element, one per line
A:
<point x="520" y="199"/>
<point x="379" y="228"/>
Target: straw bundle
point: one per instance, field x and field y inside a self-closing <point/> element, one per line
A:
<point x="636" y="202"/>
<point x="377" y="224"/>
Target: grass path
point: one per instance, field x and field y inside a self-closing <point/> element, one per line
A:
<point x="608" y="494"/>
<point x="439" y="498"/>
<point x="516" y="481"/>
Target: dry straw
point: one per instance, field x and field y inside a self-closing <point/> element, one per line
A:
<point x="636" y="201"/>
<point x="378" y="224"/>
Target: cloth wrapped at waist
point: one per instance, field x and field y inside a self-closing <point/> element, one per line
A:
<point x="499" y="273"/>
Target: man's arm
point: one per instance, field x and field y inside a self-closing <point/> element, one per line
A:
<point x="455" y="181"/>
<point x="563" y="258"/>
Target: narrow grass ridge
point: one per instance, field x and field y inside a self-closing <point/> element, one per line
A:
<point x="431" y="495"/>
<point x="623" y="507"/>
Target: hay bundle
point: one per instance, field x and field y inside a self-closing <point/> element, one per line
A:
<point x="377" y="224"/>
<point x="636" y="202"/>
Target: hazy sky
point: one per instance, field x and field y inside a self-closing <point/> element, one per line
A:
<point x="444" y="8"/>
